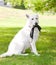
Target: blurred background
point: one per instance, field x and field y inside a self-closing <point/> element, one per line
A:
<point x="15" y="10"/>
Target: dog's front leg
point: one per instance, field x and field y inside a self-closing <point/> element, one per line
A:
<point x="33" y="48"/>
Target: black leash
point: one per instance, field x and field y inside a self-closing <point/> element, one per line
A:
<point x="32" y="30"/>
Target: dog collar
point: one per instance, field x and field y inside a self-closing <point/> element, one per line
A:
<point x="32" y="30"/>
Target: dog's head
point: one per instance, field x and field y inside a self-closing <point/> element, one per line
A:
<point x="32" y="19"/>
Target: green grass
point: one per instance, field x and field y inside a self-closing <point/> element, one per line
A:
<point x="46" y="46"/>
<point x="11" y="21"/>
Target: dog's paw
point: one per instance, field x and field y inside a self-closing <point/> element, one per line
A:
<point x="38" y="54"/>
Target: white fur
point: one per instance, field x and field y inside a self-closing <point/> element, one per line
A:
<point x="22" y="39"/>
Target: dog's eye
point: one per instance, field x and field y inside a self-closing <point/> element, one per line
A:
<point x="36" y="18"/>
<point x="32" y="18"/>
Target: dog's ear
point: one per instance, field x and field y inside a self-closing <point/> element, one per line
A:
<point x="27" y="15"/>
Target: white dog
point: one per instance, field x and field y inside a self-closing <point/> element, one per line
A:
<point x="25" y="38"/>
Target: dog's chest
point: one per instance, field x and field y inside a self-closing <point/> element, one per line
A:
<point x="27" y="31"/>
<point x="36" y="33"/>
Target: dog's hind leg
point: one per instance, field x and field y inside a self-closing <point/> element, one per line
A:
<point x="6" y="54"/>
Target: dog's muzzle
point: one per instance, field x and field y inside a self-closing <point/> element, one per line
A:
<point x="32" y="30"/>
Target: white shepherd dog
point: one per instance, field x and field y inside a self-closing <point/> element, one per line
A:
<point x="25" y="38"/>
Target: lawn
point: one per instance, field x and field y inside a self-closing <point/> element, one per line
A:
<point x="11" y="21"/>
<point x="46" y="46"/>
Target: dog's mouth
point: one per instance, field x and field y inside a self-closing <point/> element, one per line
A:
<point x="36" y="23"/>
<point x="32" y="30"/>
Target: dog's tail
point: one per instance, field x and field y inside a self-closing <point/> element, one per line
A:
<point x="5" y="54"/>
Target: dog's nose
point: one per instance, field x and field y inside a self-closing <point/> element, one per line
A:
<point x="36" y="23"/>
